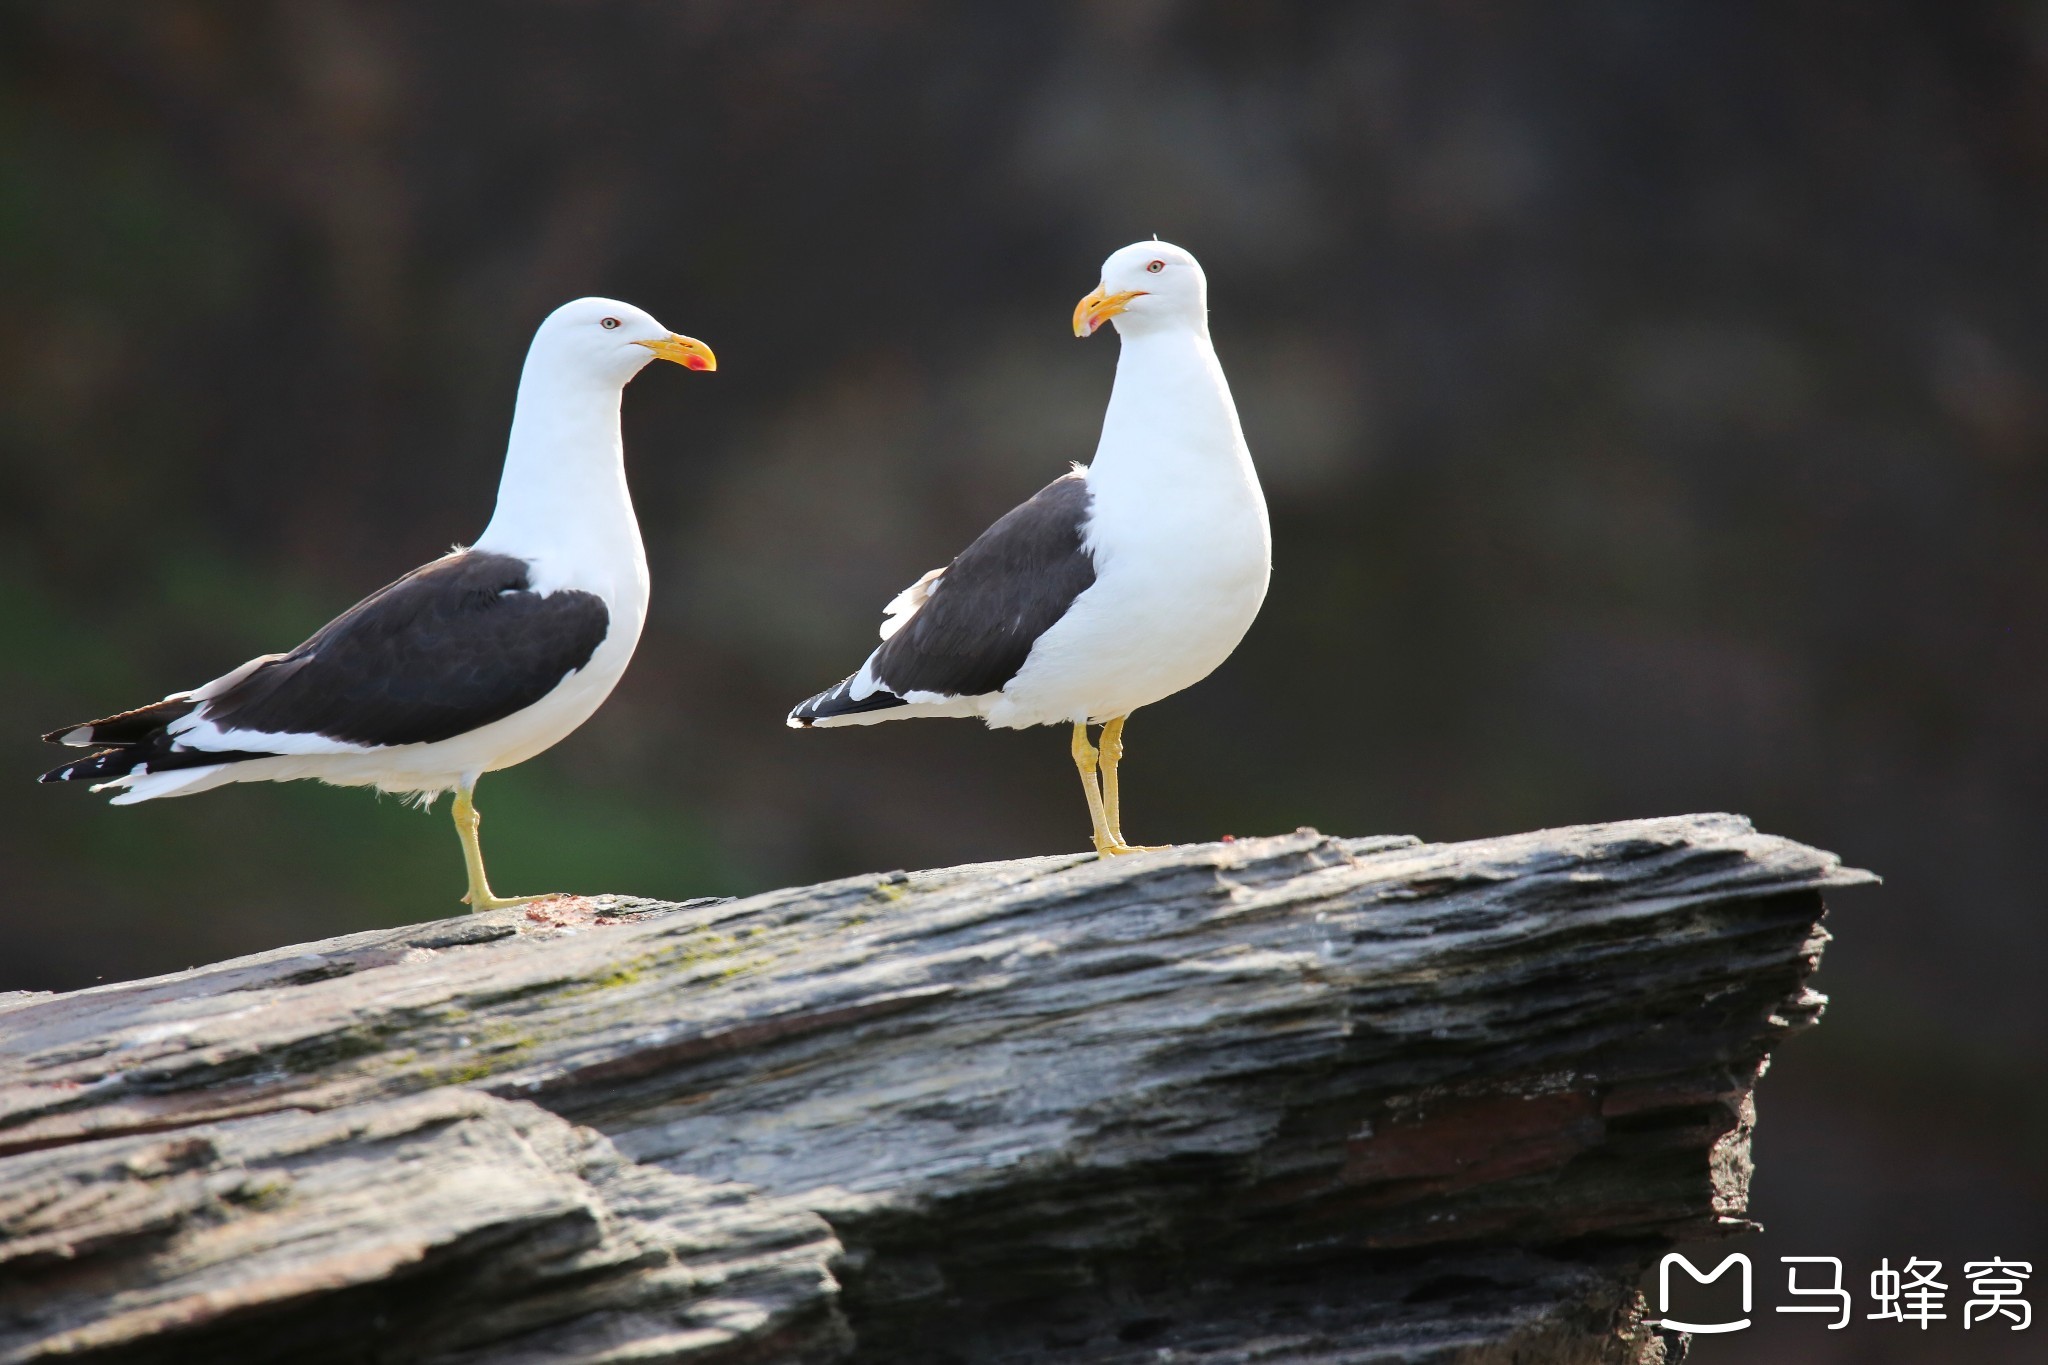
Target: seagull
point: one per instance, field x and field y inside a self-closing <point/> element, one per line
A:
<point x="475" y="662"/>
<point x="1115" y="585"/>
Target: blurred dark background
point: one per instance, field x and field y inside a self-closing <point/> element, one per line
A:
<point x="1650" y="399"/>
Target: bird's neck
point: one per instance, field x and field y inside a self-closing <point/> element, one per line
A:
<point x="563" y="501"/>
<point x="1170" y="413"/>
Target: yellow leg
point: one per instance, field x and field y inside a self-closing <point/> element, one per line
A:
<point x="1085" y="760"/>
<point x="1108" y="844"/>
<point x="1112" y="750"/>
<point x="479" y="897"/>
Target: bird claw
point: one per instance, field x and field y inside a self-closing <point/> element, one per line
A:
<point x="482" y="905"/>
<point x="1108" y="849"/>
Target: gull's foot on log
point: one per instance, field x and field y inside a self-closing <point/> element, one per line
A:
<point x="1117" y="848"/>
<point x="479" y="904"/>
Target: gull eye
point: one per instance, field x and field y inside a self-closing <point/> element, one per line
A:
<point x="609" y="324"/>
<point x="1155" y="267"/>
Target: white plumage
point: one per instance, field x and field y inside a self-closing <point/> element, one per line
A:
<point x="1177" y="529"/>
<point x="1091" y="601"/>
<point x="473" y="663"/>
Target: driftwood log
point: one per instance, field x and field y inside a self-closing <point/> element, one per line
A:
<point x="1296" y="1099"/>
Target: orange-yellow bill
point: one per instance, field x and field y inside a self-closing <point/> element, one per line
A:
<point x="1099" y="308"/>
<point x="687" y="352"/>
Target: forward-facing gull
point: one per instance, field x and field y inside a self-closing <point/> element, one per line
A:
<point x="472" y="663"/>
<point x="1117" y="584"/>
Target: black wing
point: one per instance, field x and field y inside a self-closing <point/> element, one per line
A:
<point x="983" y="614"/>
<point x="446" y="649"/>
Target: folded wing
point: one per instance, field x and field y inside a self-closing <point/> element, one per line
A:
<point x="966" y="630"/>
<point x="447" y="649"/>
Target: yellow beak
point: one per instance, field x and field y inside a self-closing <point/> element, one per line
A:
<point x="1099" y="308"/>
<point x="687" y="352"/>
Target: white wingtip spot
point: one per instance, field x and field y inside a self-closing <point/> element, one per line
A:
<point x="77" y="738"/>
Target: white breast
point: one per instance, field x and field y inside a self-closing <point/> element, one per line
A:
<point x="1178" y="583"/>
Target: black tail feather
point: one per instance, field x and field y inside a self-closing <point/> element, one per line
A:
<point x="127" y="727"/>
<point x="835" y="701"/>
<point x="103" y="766"/>
<point x="159" y="755"/>
<point x="135" y="741"/>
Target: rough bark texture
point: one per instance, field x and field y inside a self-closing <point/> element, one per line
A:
<point x="1291" y="1100"/>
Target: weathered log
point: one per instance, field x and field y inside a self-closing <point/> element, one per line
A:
<point x="473" y="1228"/>
<point x="1290" y="1100"/>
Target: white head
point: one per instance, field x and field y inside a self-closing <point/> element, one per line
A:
<point x="607" y="342"/>
<point x="1147" y="286"/>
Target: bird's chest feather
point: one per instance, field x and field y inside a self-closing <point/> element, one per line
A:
<point x="1193" y="548"/>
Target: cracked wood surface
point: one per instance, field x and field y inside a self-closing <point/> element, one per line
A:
<point x="1297" y="1099"/>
